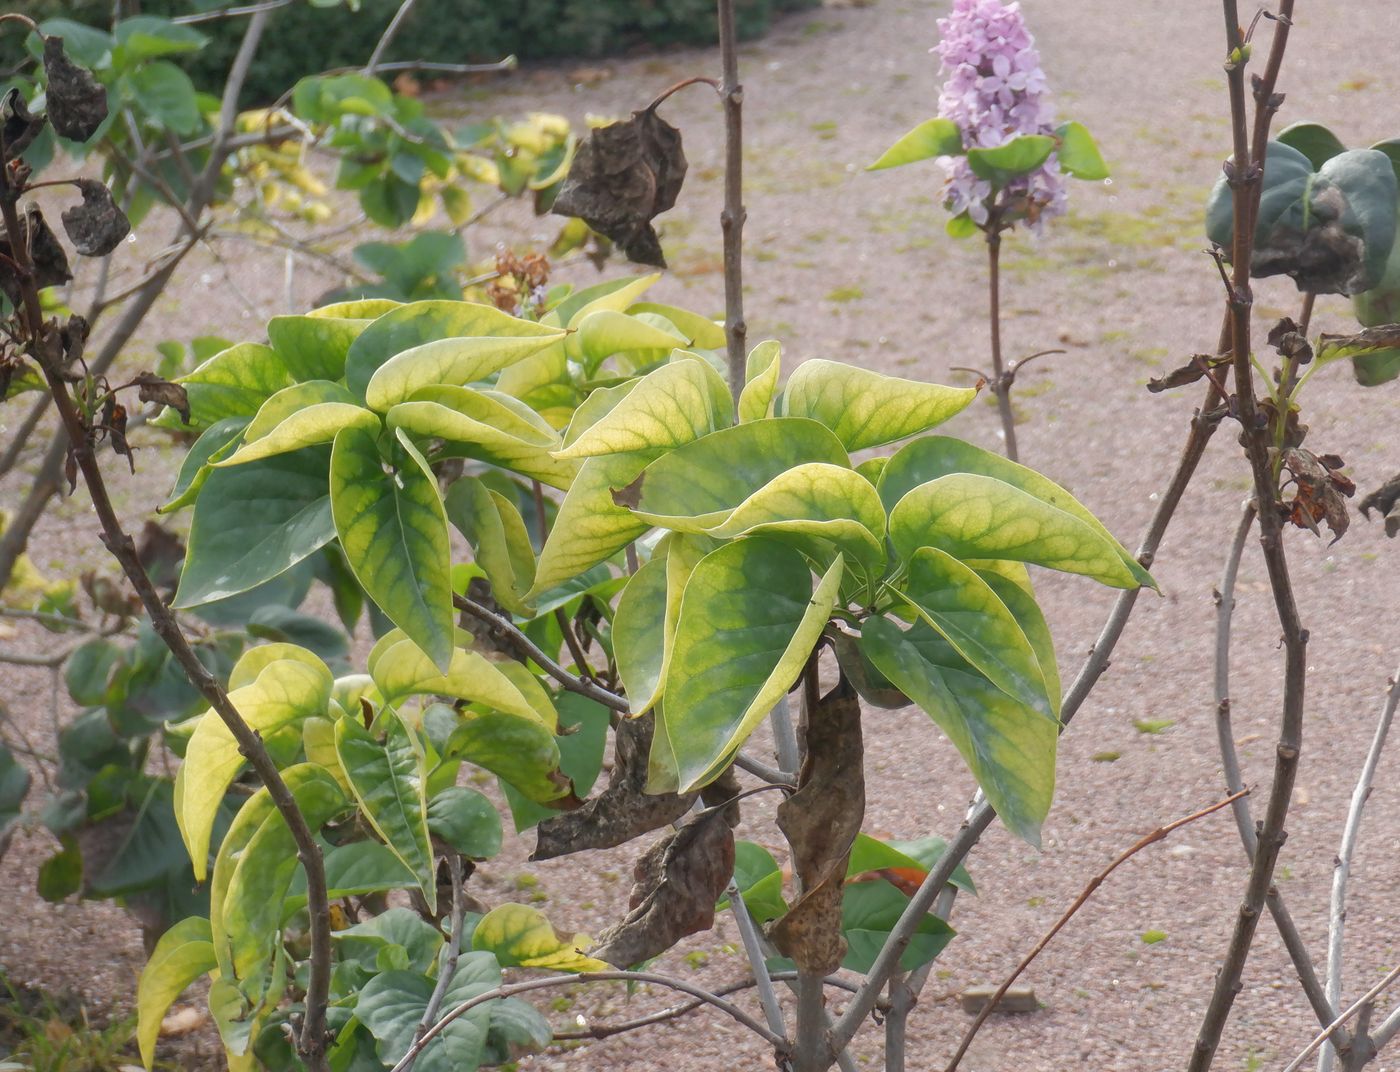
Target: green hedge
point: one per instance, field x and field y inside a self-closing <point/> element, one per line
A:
<point x="302" y="39"/>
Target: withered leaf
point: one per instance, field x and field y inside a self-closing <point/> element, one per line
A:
<point x="622" y="811"/>
<point x="160" y="551"/>
<point x="821" y="821"/>
<point x="1385" y="500"/>
<point x="1322" y="491"/>
<point x="623" y="176"/>
<point x="97" y="226"/>
<point x="114" y="419"/>
<point x="1289" y="342"/>
<point x="77" y="102"/>
<point x="164" y="393"/>
<point x="70" y="470"/>
<point x="1193" y="370"/>
<point x="675" y="886"/>
<point x="45" y="250"/>
<point x="17" y="125"/>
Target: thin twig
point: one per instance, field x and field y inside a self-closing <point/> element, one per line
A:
<point x="387" y="38"/>
<point x="753" y="949"/>
<point x="1341" y="870"/>
<point x="451" y="951"/>
<point x="760" y="770"/>
<point x="1365" y="999"/>
<point x="1001" y="385"/>
<point x="732" y="218"/>
<point x="231" y="12"/>
<point x="527" y="648"/>
<point x="666" y="93"/>
<point x="511" y="989"/>
<point x="1079" y="902"/>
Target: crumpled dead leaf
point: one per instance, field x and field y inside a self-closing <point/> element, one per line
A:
<point x="50" y="262"/>
<point x="17" y="125"/>
<point x="161" y="391"/>
<point x="77" y="102"/>
<point x="1193" y="370"/>
<point x="1322" y="491"/>
<point x="620" y="812"/>
<point x="97" y="226"/>
<point x="1385" y="500"/>
<point x="676" y="884"/>
<point x="821" y="821"/>
<point x="1289" y="342"/>
<point x="623" y="176"/>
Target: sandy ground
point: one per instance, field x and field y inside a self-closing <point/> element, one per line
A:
<point x="856" y="266"/>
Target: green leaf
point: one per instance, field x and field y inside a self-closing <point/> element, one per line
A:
<point x="973" y="516"/>
<point x="931" y="138"/>
<point x="760" y="382"/>
<point x="1012" y="584"/>
<point x="232" y="383"/>
<point x="362" y="867"/>
<point x="1313" y="140"/>
<point x="401" y="932"/>
<point x="870" y="854"/>
<point x="1009" y="747"/>
<point x="387" y="781"/>
<point x="167" y="95"/>
<point x="393" y="531"/>
<point x="308" y="414"/>
<point x="639" y="635"/>
<point x="183" y="954"/>
<point x="1078" y="153"/>
<point x="87" y="670"/>
<point x="590" y="527"/>
<point x="522" y="937"/>
<point x="467" y="821"/>
<point x="969" y="615"/>
<point x="1153" y="937"/>
<point x="14" y="787"/>
<point x="253" y="872"/>
<point x="516" y="750"/>
<point x="700" y="484"/>
<point x="869" y="912"/>
<point x="284" y="692"/>
<point x="214" y="442"/>
<point x="408" y="326"/>
<point x="1372" y="364"/>
<point x="255" y="522"/>
<point x="452" y="361"/>
<point x="1006" y="163"/>
<point x="1330" y="230"/>
<point x="145" y="37"/>
<point x="499" y="540"/>
<point x="868" y="409"/>
<point x="747" y="625"/>
<point x="61" y="875"/>
<point x="314" y="346"/>
<point x="669" y="407"/>
<point x="488" y="425"/>
<point x="812" y="503"/>
<point x="937" y="456"/>
<point x="392" y="1005"/>
<point x="760" y="882"/>
<point x="582" y="740"/>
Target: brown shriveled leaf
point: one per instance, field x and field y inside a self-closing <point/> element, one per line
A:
<point x="114" y="421"/>
<point x="110" y="597"/>
<point x="77" y="102"/>
<point x="623" y="810"/>
<point x="1289" y="342"/>
<point x="1193" y="370"/>
<point x="1385" y="500"/>
<point x="622" y="177"/>
<point x="50" y="262"/>
<point x="97" y="226"/>
<point x="17" y="125"/>
<point x="675" y="886"/>
<point x="821" y="821"/>
<point x="73" y="336"/>
<point x="1368" y="340"/>
<point x="164" y="393"/>
<point x="70" y="470"/>
<point x="160" y="551"/>
<point x="1322" y="491"/>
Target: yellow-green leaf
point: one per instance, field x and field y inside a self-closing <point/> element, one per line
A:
<point x="521" y="937"/>
<point x="452" y="361"/>
<point x="315" y="424"/>
<point x="700" y="330"/>
<point x="760" y="382"/>
<point x="284" y="692"/>
<point x="972" y="516"/>
<point x="748" y="622"/>
<point x="931" y="138"/>
<point x="500" y="542"/>
<point x="183" y="954"/>
<point x="866" y="408"/>
<point x="403" y="670"/>
<point x="639" y="635"/>
<point x="669" y="407"/>
<point x="604" y="332"/>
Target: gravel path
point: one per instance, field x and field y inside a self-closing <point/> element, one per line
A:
<point x="856" y="266"/>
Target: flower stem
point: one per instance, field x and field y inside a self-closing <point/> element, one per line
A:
<point x="1001" y="384"/>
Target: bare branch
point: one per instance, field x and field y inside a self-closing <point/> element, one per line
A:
<point x="1094" y="883"/>
<point x="231" y="12"/>
<point x="1346" y="1014"/>
<point x="753" y="949"/>
<point x="732" y="218"/>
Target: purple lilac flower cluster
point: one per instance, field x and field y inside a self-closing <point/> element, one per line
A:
<point x="994" y="90"/>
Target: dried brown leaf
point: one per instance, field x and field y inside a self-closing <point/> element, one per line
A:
<point x="17" y="125"/>
<point x="1385" y="500"/>
<point x="623" y="176"/>
<point x="77" y="102"/>
<point x="821" y="821"/>
<point x="45" y="251"/>
<point x="165" y="393"/>
<point x="1193" y="370"/>
<point x="97" y="226"/>
<point x="1322" y="492"/>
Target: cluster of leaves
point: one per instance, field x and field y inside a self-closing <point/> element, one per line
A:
<point x="758" y="538"/>
<point x="1071" y="144"/>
